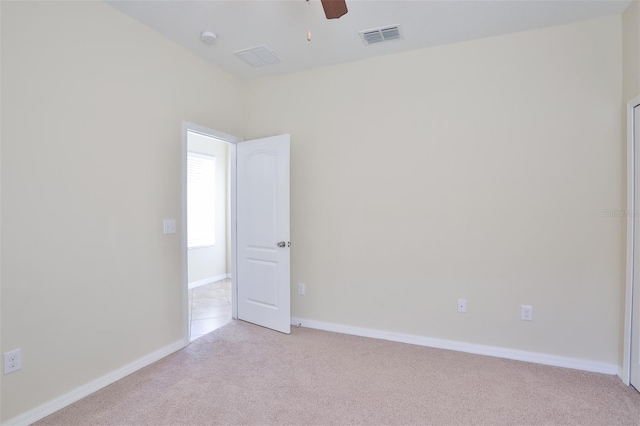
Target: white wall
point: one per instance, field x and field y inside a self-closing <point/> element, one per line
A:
<point x="92" y="107"/>
<point x="480" y="170"/>
<point x="631" y="51"/>
<point x="205" y="263"/>
<point x="630" y="76"/>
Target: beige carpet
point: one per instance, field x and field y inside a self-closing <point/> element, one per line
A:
<point x="244" y="374"/>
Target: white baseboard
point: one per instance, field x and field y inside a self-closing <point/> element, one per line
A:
<point x="472" y="348"/>
<point x="619" y="374"/>
<point x="208" y="280"/>
<point x="69" y="398"/>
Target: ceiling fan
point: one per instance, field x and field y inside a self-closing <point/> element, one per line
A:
<point x="333" y="9"/>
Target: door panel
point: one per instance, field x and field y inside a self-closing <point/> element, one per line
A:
<point x="263" y="274"/>
<point x="262" y="206"/>
<point x="266" y="273"/>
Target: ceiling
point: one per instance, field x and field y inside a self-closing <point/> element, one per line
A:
<point x="282" y="26"/>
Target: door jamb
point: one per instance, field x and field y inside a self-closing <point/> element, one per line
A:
<point x="625" y="373"/>
<point x="232" y="141"/>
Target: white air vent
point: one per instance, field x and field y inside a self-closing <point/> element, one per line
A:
<point x="380" y="35"/>
<point x="258" y="56"/>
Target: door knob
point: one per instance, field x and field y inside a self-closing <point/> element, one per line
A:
<point x="282" y="244"/>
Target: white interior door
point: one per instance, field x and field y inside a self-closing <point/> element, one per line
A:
<point x="263" y="276"/>
<point x="634" y="378"/>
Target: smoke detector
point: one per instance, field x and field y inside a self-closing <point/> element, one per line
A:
<point x="208" y="37"/>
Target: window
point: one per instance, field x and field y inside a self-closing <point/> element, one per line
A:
<point x="201" y="204"/>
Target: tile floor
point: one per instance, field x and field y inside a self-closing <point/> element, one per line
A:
<point x="209" y="307"/>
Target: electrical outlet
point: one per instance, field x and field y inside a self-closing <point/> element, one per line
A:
<point x="462" y="305"/>
<point x="169" y="226"/>
<point x="301" y="289"/>
<point x="527" y="313"/>
<point x="12" y="361"/>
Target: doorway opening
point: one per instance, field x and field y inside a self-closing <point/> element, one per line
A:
<point x="208" y="240"/>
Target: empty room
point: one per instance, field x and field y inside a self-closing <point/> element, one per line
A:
<point x="426" y="212"/>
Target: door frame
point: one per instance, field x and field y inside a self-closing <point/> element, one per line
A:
<point x="232" y="141"/>
<point x="631" y="228"/>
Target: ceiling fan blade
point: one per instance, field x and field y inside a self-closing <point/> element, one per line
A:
<point x="333" y="9"/>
